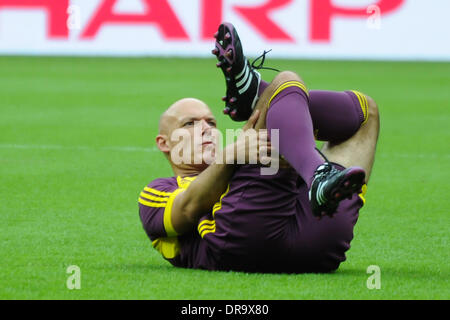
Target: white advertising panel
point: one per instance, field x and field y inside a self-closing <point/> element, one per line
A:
<point x="320" y="29"/>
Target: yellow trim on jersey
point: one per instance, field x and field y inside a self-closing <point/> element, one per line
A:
<point x="168" y="247"/>
<point x="206" y="231"/>
<point x="153" y="198"/>
<point x="157" y="192"/>
<point x="152" y="204"/>
<point x="208" y="226"/>
<point x="364" y="105"/>
<point x="185" y="182"/>
<point x="218" y="205"/>
<point x="362" y="195"/>
<point x="287" y="85"/>
<point x="168" y="214"/>
<point x="206" y="222"/>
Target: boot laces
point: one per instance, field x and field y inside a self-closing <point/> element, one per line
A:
<point x="261" y="64"/>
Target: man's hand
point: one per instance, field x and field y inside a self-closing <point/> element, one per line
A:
<point x="251" y="146"/>
<point x="264" y="151"/>
<point x="251" y="122"/>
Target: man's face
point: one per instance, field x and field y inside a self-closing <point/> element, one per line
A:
<point x="192" y="132"/>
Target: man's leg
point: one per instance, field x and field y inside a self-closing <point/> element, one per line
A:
<point x="336" y="115"/>
<point x="359" y="150"/>
<point x="284" y="106"/>
<point x="348" y="122"/>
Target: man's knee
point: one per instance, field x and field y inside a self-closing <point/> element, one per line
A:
<point x="282" y="81"/>
<point x="286" y="76"/>
<point x="272" y="90"/>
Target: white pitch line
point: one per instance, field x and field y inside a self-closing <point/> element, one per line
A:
<point x="155" y="149"/>
<point x="61" y="147"/>
<point x="414" y="156"/>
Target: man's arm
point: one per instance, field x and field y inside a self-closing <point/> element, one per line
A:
<point x="190" y="204"/>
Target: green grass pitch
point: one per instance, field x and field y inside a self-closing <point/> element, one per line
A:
<point x="76" y="148"/>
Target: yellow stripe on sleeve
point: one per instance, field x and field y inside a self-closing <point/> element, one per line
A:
<point x="287" y="85"/>
<point x="153" y="198"/>
<point x="152" y="204"/>
<point x="168" y="214"/>
<point x="157" y="192"/>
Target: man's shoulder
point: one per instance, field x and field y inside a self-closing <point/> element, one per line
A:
<point x="168" y="184"/>
<point x="157" y="193"/>
<point x="161" y="189"/>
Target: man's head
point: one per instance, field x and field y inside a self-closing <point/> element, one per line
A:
<point x="186" y="135"/>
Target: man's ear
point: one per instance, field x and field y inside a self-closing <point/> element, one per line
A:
<point x="162" y="143"/>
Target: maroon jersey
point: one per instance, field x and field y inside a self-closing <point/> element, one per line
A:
<point x="261" y="223"/>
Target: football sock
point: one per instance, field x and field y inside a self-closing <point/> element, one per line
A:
<point x="289" y="112"/>
<point x="336" y="116"/>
